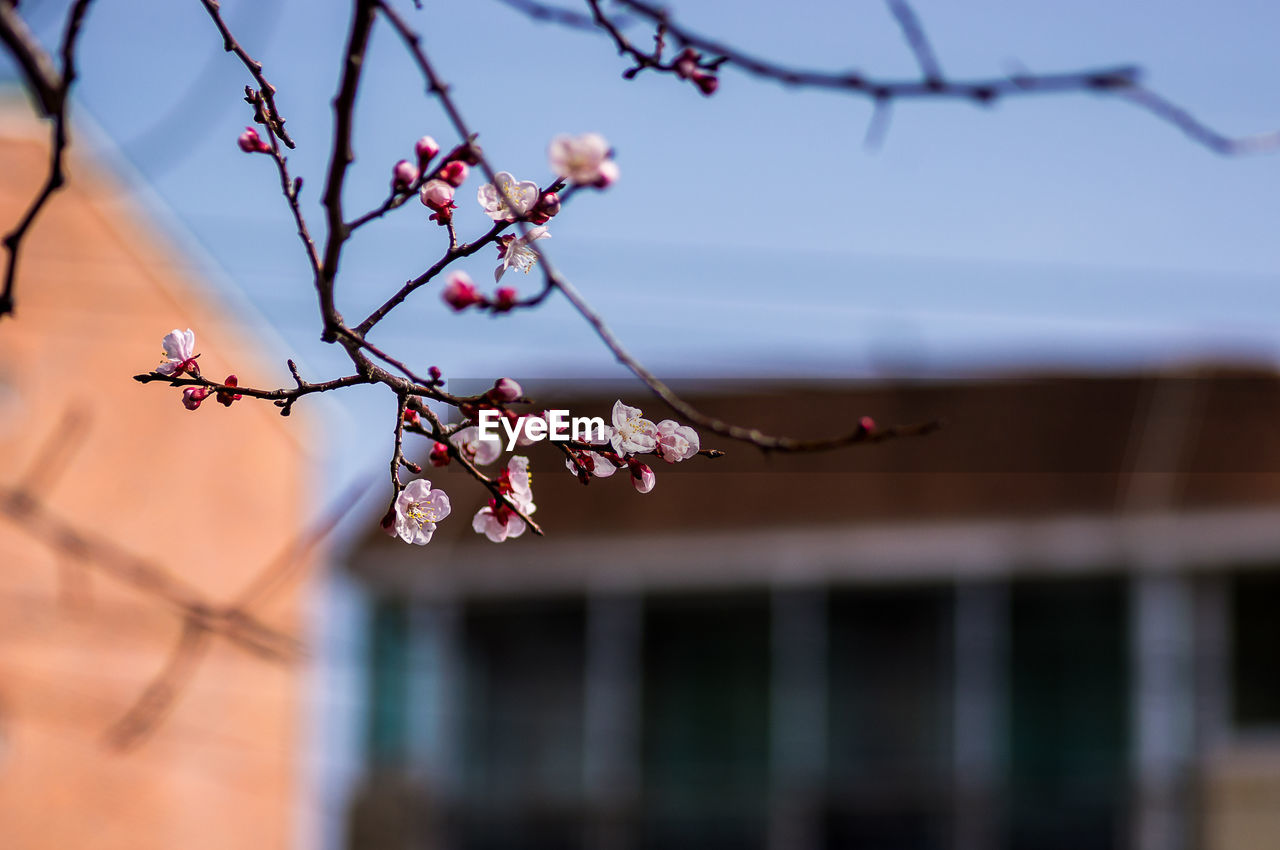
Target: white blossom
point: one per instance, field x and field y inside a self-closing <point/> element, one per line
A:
<point x="418" y="509"/>
<point x="478" y="451"/>
<point x="631" y="434"/>
<point x="676" y="442"/>
<point x="582" y="159"/>
<point x="514" y="251"/>
<point x="179" y="351"/>
<point x="507" y="199"/>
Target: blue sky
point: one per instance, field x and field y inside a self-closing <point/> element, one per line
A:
<point x="751" y="232"/>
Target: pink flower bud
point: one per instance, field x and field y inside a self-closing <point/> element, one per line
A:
<point x="866" y="425"/>
<point x="192" y="396"/>
<point x="504" y="298"/>
<point x="425" y="148"/>
<point x="548" y="204"/>
<point x="706" y="83"/>
<point x="403" y="175"/>
<point x="608" y="174"/>
<point x="435" y="374"/>
<point x="437" y="194"/>
<point x="251" y="142"/>
<point x="505" y="389"/>
<point x="642" y="476"/>
<point x="460" y="293"/>
<point x="411" y="417"/>
<point x="388" y="522"/>
<point x="225" y="397"/>
<point x="454" y="173"/>
<point x="686" y="63"/>
<point x="439" y="455"/>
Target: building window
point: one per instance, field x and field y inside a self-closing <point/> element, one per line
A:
<point x="523" y="719"/>
<point x="706" y="721"/>
<point x="889" y="718"/>
<point x="1068" y="747"/>
<point x="1255" y="656"/>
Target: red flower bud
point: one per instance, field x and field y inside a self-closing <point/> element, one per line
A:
<point x="251" y="142"/>
<point x="439" y="455"/>
<point x="460" y="293"/>
<point x="706" y="83"/>
<point x="192" y="396"/>
<point x="225" y="397"/>
<point x="504" y="298"/>
<point x="454" y="173"/>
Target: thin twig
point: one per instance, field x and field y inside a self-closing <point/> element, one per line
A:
<point x="274" y="120"/>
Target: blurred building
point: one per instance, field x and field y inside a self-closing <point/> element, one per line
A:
<point x="127" y="718"/>
<point x="1050" y="626"/>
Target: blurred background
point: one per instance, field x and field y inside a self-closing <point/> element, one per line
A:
<point x="1050" y="625"/>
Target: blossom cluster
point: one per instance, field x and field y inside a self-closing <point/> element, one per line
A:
<point x="632" y="435"/>
<point x="617" y="446"/>
<point x="583" y="161"/>
<point x="180" y="357"/>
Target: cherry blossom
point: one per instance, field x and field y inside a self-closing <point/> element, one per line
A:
<point x="582" y="159"/>
<point x="418" y="509"/>
<point x="593" y="462"/>
<point x="478" y="451"/>
<point x="180" y="353"/>
<point x="507" y="199"/>
<point x="642" y="477"/>
<point x="676" y="442"/>
<point x="520" y="480"/>
<point x="631" y="434"/>
<point x="497" y="521"/>
<point x="437" y="194"/>
<point x="522" y="429"/>
<point x="514" y="251"/>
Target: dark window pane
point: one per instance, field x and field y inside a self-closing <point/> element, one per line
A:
<point x="523" y="714"/>
<point x="890" y="669"/>
<point x="706" y="721"/>
<point x="1069" y="715"/>
<point x="389" y="666"/>
<point x="1255" y="638"/>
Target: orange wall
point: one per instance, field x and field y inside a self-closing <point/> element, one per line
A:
<point x="97" y="291"/>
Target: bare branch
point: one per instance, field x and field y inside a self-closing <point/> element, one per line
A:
<point x="1122" y="81"/>
<point x="340" y="159"/>
<point x="60" y="140"/>
<point x="42" y="77"/>
<point x="284" y="398"/>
